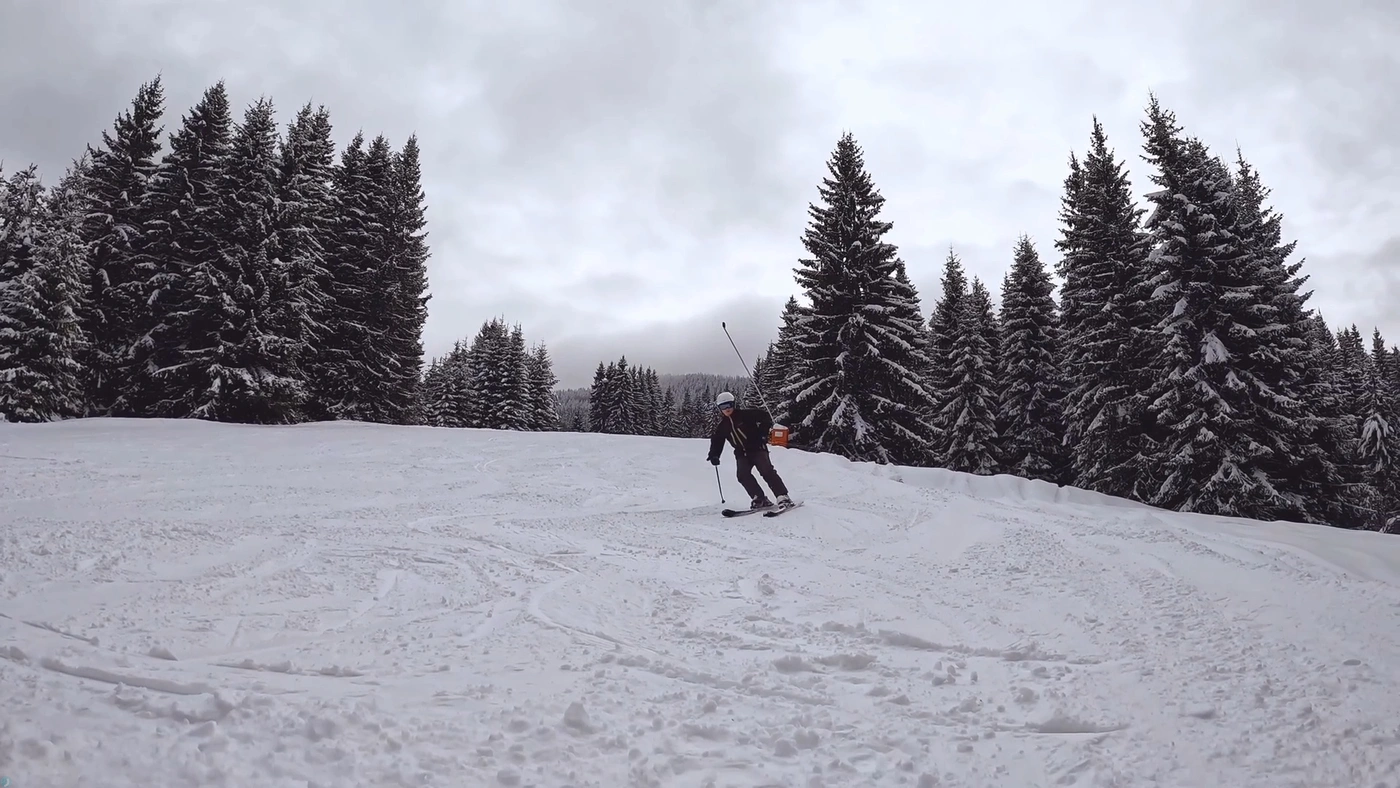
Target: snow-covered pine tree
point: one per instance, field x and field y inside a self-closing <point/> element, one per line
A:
<point x="118" y="216"/>
<point x="1334" y="501"/>
<point x="453" y="406"/>
<point x="783" y="364"/>
<point x="1108" y="334"/>
<point x="187" y="288"/>
<point x="981" y="299"/>
<point x="511" y="364"/>
<point x="670" y="424"/>
<point x="544" y="403"/>
<point x="303" y="222"/>
<point x="41" y="290"/>
<point x="405" y="276"/>
<point x="382" y="372"/>
<point x="1211" y="409"/>
<point x="1352" y="375"/>
<point x="920" y="360"/>
<point x="655" y="402"/>
<point x="599" y="396"/>
<point x="1293" y="410"/>
<point x="1379" y="444"/>
<point x="255" y="378"/>
<point x="1030" y="420"/>
<point x="620" y="417"/>
<point x="498" y="378"/>
<point x="970" y="442"/>
<point x="943" y="332"/>
<point x="641" y="402"/>
<point x="430" y="395"/>
<point x="860" y="394"/>
<point x="351" y="366"/>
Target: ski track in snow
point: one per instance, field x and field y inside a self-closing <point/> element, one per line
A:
<point x="187" y="604"/>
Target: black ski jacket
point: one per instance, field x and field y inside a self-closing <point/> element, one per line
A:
<point x="746" y="429"/>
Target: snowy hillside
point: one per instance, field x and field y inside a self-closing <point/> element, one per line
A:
<point x="191" y="604"/>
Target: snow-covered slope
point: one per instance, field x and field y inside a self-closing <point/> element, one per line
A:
<point x="191" y="604"/>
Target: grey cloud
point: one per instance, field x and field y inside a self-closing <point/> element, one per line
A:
<point x="637" y="162"/>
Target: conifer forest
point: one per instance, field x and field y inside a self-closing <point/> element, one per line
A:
<point x="235" y="271"/>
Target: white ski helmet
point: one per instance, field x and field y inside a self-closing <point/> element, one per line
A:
<point x="724" y="398"/>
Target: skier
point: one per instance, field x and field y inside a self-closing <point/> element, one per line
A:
<point x="747" y="429"/>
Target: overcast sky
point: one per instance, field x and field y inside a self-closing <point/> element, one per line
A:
<point x="620" y="176"/>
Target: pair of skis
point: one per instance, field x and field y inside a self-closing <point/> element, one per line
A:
<point x="768" y="511"/>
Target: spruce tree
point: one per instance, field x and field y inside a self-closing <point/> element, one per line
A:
<point x="348" y="358"/>
<point x="990" y="326"/>
<point x="255" y="377"/>
<point x="1379" y="443"/>
<point x="117" y="222"/>
<point x="1352" y="374"/>
<point x="40" y="287"/>
<point x="970" y="411"/>
<point x="1030" y="421"/>
<point x="783" y="363"/>
<point x="303" y="222"/>
<point x="944" y="327"/>
<point x="543" y="402"/>
<point x="1212" y="411"/>
<point x="1292" y="413"/>
<point x="405" y="278"/>
<point x="1109" y="336"/>
<point x="598" y="399"/>
<point x="188" y="284"/>
<point x="861" y="394"/>
<point x="382" y="370"/>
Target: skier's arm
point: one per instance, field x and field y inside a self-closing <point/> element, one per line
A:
<point x="716" y="442"/>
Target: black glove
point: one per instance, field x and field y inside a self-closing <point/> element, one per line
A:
<point x="714" y="460"/>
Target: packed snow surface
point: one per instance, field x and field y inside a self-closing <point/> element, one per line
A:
<point x="192" y="604"/>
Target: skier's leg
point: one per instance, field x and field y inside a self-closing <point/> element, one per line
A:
<point x="744" y="471"/>
<point x="764" y="464"/>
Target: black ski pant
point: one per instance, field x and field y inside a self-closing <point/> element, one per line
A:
<point x="748" y="462"/>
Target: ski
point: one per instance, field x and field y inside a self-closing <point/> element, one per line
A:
<point x="743" y="512"/>
<point x="782" y="509"/>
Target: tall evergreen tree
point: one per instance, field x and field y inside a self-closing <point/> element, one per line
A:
<point x="40" y="291"/>
<point x="255" y="377"/>
<point x="1030" y="419"/>
<point x="1351" y="376"/>
<point x="1108" y="332"/>
<point x="405" y="278"/>
<point x="1379" y="444"/>
<point x="1293" y="409"/>
<point x="118" y="218"/>
<point x="188" y="286"/>
<point x="1214" y="413"/>
<point x="944" y="325"/>
<point x="383" y="370"/>
<point x="861" y="395"/>
<point x="598" y="399"/>
<point x="970" y="442"/>
<point x="783" y="363"/>
<point x="303" y="222"/>
<point x="543" y="403"/>
<point x="349" y="360"/>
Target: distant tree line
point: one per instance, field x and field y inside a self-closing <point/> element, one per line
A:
<point x="238" y="275"/>
<point x="631" y="400"/>
<point x="493" y="382"/>
<point x="1180" y="367"/>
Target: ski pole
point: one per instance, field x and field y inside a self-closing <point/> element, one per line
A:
<point x="721" y="485"/>
<point x="756" y="387"/>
